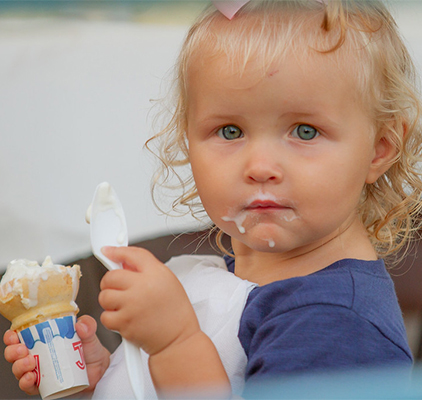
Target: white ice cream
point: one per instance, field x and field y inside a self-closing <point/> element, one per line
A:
<point x="33" y="272"/>
<point x="238" y="219"/>
<point x="271" y="242"/>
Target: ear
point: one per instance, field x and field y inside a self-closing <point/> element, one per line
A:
<point x="385" y="152"/>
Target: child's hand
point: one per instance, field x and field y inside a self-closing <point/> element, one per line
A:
<point x="145" y="302"/>
<point x="148" y="305"/>
<point x="97" y="358"/>
<point x="23" y="362"/>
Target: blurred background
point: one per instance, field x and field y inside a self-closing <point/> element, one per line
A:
<point x="78" y="84"/>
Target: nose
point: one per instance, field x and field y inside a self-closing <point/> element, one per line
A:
<point x="263" y="165"/>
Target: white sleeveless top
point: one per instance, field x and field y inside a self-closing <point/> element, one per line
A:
<point x="218" y="298"/>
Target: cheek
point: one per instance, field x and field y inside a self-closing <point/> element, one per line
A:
<point x="209" y="171"/>
<point x="346" y="172"/>
<point x="335" y="188"/>
<point x="330" y="207"/>
<point x="214" y="195"/>
<point x="206" y="183"/>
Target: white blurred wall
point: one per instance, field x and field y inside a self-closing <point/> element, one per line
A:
<point x="74" y="103"/>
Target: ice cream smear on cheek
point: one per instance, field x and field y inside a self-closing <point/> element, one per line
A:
<point x="261" y="200"/>
<point x="238" y="219"/>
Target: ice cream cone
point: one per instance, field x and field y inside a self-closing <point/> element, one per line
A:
<point x="40" y="303"/>
<point x="31" y="294"/>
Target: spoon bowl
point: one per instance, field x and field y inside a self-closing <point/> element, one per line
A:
<point x="107" y="223"/>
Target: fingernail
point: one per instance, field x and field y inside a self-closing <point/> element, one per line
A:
<point x="104" y="249"/>
<point x="83" y="327"/>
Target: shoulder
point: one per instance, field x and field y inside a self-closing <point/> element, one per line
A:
<point x="332" y="286"/>
<point x="352" y="284"/>
<point x="318" y="337"/>
<point x="346" y="314"/>
<point x="324" y="338"/>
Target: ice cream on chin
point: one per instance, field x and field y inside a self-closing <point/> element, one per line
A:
<point x="31" y="294"/>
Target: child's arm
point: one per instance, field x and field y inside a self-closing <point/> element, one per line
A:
<point x="147" y="304"/>
<point x="97" y="357"/>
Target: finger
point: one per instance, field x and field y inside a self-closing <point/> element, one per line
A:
<point x="112" y="300"/>
<point x="111" y="320"/>
<point x="10" y="337"/>
<point x="15" y="352"/>
<point x="132" y="258"/>
<point x="86" y="327"/>
<point x="22" y="366"/>
<point x="117" y="279"/>
<point x="27" y="383"/>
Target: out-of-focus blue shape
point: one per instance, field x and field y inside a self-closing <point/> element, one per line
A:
<point x="382" y="383"/>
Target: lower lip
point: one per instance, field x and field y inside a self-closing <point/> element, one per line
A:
<point x="280" y="213"/>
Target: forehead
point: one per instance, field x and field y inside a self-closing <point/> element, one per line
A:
<point x="297" y="75"/>
<point x="305" y="84"/>
<point x="258" y="43"/>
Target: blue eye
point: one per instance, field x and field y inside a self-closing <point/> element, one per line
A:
<point x="305" y="132"/>
<point x="230" y="132"/>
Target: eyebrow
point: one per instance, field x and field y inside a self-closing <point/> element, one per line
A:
<point x="289" y="114"/>
<point x="218" y="117"/>
<point x="303" y="115"/>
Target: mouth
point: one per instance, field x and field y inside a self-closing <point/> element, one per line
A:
<point x="262" y="205"/>
<point x="265" y="205"/>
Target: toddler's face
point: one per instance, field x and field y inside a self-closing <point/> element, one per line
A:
<point x="279" y="161"/>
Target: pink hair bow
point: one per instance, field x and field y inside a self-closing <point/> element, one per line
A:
<point x="230" y="8"/>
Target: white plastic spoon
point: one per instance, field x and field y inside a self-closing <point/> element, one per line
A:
<point x="108" y="228"/>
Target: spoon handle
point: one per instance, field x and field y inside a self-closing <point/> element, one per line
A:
<point x="134" y="366"/>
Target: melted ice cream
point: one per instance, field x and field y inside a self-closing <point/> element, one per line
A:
<point x="271" y="242"/>
<point x="240" y="217"/>
<point x="33" y="273"/>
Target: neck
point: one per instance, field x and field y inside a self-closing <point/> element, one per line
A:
<point x="266" y="267"/>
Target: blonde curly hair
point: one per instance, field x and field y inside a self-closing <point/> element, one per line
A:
<point x="390" y="207"/>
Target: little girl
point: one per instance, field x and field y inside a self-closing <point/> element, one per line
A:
<point x="299" y="121"/>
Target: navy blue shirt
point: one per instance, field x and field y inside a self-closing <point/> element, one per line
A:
<point x="344" y="316"/>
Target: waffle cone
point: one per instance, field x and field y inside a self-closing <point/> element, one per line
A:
<point x="56" y="291"/>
